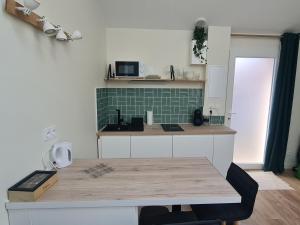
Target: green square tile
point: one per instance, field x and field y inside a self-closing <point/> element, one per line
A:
<point x="191" y="92"/>
<point x="114" y="101"/>
<point x="140" y="92"/>
<point x="173" y="92"/>
<point x="124" y="92"/>
<point x="167" y="119"/>
<point x="133" y="100"/>
<point x="183" y="102"/>
<point x="164" y="94"/>
<point x="200" y="93"/>
<point x="183" y="110"/>
<point x="139" y="100"/>
<point x="149" y="101"/>
<point x="175" y="101"/>
<point x="159" y="91"/>
<point x="119" y="92"/>
<point x="174" y="118"/>
<point x="184" y="92"/>
<point x="123" y="109"/>
<point x="157" y="101"/>
<point x="149" y="92"/>
<point x="156" y="118"/>
<point x="131" y="92"/>
<point x="166" y="110"/>
<point x="159" y="109"/>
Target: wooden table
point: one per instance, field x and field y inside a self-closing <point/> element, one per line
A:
<point x="109" y="192"/>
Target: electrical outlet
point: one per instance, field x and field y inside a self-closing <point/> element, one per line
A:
<point x="49" y="133"/>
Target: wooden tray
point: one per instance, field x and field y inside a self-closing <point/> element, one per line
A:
<point x="33" y="186"/>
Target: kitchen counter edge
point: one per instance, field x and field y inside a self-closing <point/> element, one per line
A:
<point x="156" y="130"/>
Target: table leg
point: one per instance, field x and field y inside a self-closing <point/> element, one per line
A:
<point x="176" y="208"/>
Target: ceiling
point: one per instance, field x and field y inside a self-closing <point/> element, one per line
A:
<point x="251" y="16"/>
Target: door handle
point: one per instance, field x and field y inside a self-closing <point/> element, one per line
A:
<point x="230" y="115"/>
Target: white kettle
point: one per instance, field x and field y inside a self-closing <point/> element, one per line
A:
<point x="61" y="154"/>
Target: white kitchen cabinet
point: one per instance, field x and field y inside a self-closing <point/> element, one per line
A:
<point x="151" y="146"/>
<point x="74" y="216"/>
<point x="217" y="148"/>
<point x="219" y="39"/>
<point x="114" y="147"/>
<point x="223" y="152"/>
<point x="193" y="146"/>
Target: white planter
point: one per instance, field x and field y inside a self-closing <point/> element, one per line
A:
<point x="195" y="60"/>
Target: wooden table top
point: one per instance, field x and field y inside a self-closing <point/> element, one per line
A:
<point x="189" y="129"/>
<point x="136" y="182"/>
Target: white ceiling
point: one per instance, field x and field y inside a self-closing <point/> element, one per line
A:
<point x="260" y="16"/>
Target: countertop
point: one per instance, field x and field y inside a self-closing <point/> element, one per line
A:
<point x="189" y="129"/>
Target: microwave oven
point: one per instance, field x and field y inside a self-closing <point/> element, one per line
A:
<point x="127" y="69"/>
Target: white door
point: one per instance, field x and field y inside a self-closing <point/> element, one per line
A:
<point x="252" y="67"/>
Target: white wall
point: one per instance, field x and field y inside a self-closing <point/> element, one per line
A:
<point x="45" y="82"/>
<point x="157" y="49"/>
<point x="294" y="135"/>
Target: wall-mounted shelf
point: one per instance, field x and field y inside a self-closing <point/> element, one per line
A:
<point x="152" y="80"/>
<point x="11" y="8"/>
<point x="25" y="13"/>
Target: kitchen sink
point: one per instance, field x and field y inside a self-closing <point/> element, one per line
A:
<point x="120" y="128"/>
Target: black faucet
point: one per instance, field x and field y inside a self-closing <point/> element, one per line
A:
<point x="119" y="117"/>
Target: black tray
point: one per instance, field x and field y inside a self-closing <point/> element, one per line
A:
<point x="33" y="181"/>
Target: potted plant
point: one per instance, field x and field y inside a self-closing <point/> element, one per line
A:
<point x="199" y="44"/>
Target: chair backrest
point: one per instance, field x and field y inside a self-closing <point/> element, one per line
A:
<point x="245" y="185"/>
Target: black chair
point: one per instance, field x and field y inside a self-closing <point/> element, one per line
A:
<point x="159" y="215"/>
<point x="231" y="213"/>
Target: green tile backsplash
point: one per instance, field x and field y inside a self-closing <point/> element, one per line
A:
<point x="168" y="105"/>
<point x="102" y="107"/>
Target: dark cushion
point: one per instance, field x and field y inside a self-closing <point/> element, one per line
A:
<point x="224" y="212"/>
<point x="149" y="214"/>
<point x="158" y="215"/>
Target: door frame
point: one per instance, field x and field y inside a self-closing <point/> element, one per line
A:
<point x="269" y="52"/>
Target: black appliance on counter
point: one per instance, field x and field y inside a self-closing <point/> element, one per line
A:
<point x="127" y="69"/>
<point x="171" y="127"/>
<point x="137" y="124"/>
<point x="198" y="119"/>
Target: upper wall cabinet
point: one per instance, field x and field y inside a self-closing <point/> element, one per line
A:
<point x="217" y="70"/>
